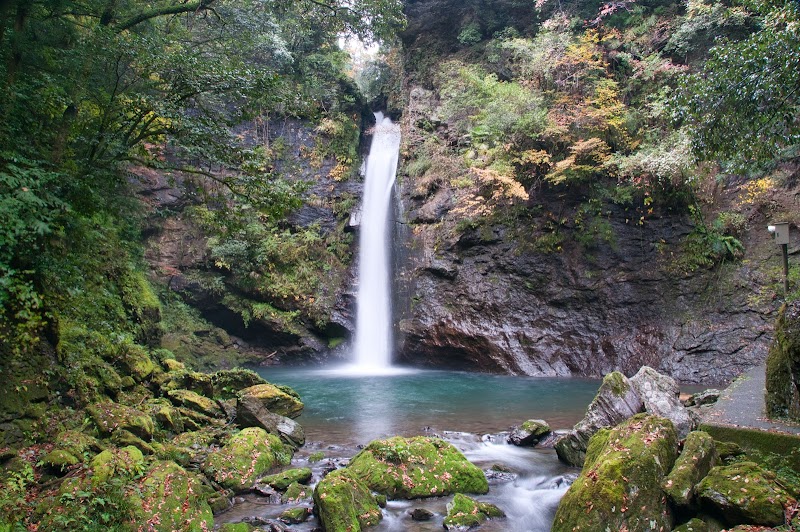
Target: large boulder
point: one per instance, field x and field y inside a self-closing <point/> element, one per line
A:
<point x="619" y="487"/>
<point x="344" y="503"/>
<point x="196" y="402"/>
<point x="268" y="397"/>
<point x="281" y="481"/>
<point x="173" y="499"/>
<point x="409" y="468"/>
<point x="783" y="365"/>
<point x="254" y="413"/>
<point x="698" y="457"/>
<point x="125" y="462"/>
<point x="743" y="493"/>
<point x="465" y="512"/>
<point x="109" y="417"/>
<point x="616" y="401"/>
<point x="660" y="394"/>
<point x="229" y="382"/>
<point x="247" y="456"/>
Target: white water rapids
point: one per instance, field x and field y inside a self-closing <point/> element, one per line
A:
<point x="373" y="343"/>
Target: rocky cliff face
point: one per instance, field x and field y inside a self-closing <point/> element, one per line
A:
<point x="491" y="297"/>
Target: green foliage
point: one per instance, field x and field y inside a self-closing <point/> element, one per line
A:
<point x="741" y="107"/>
<point x="470" y="34"/>
<point x="13" y="491"/>
<point x="707" y="246"/>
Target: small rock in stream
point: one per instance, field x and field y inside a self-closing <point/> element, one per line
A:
<point x="421" y="514"/>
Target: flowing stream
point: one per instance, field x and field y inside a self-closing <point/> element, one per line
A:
<point x="473" y="411"/>
<point x="373" y="343"/>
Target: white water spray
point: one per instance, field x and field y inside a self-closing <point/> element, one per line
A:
<point x="373" y="345"/>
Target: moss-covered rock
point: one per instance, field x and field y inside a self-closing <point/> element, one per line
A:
<point x="173" y="499"/>
<point x="344" y="503"/>
<point x="295" y="492"/>
<point x="246" y="456"/>
<point x="168" y="418"/>
<point x="228" y="383"/>
<point x="783" y="365"/>
<point x="237" y="527"/>
<point x="281" y="481"/>
<point x="109" y="417"/>
<point x="195" y="381"/>
<point x="77" y="443"/>
<point x="294" y="516"/>
<point x="124" y="438"/>
<point x="743" y="493"/>
<point x="270" y="397"/>
<point x="694" y="525"/>
<point x="134" y="360"/>
<point x="616" y="401"/>
<point x="126" y="462"/>
<point x="529" y="433"/>
<point x="620" y="484"/>
<point x="698" y="457"/>
<point x="59" y="460"/>
<point x="465" y="512"/>
<point x="196" y="402"/>
<point x="170" y="364"/>
<point x="408" y="468"/>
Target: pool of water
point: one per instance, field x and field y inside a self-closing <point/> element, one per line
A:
<point x="345" y="410"/>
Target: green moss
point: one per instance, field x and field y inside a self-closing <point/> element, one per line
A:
<point x="344" y="503"/>
<point x="246" y="456"/>
<point x="237" y="527"/>
<point x="698" y="457"/>
<point x="774" y="450"/>
<point x="273" y="398"/>
<point x="294" y="516"/>
<point x="464" y="511"/>
<point x="134" y="360"/>
<point x="783" y="365"/>
<point x="109" y="417"/>
<point x="281" y="481"/>
<point x="295" y="492"/>
<point x="536" y="427"/>
<point x="694" y="525"/>
<point x="173" y="499"/>
<point x="228" y="383"/>
<point x="59" y="459"/>
<point x="126" y="462"/>
<point x="617" y="383"/>
<point x="316" y="456"/>
<point x="619" y="486"/>
<point x="196" y="402"/>
<point x="743" y="493"/>
<point x="409" y="468"/>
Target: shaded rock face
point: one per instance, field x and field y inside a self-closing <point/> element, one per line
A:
<point x="488" y="299"/>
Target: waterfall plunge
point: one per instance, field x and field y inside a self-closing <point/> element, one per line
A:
<point x="373" y="345"/>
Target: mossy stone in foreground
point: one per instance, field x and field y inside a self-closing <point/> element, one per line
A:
<point x="620" y="485"/>
<point x="344" y="503"/>
<point x="281" y="481"/>
<point x="698" y="457"/>
<point x="246" y="456"/>
<point x="109" y="417"/>
<point x="173" y="499"/>
<point x="743" y="493"/>
<point x="465" y="512"/>
<point x="409" y="468"/>
<point x="125" y="462"/>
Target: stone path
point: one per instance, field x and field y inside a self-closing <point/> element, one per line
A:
<point x="742" y="405"/>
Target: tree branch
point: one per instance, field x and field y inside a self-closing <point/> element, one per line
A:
<point x="174" y="9"/>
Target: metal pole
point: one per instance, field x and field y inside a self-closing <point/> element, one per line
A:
<point x="785" y="248"/>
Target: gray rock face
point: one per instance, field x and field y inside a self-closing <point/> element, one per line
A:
<point x="616" y="401"/>
<point x="660" y="394"/>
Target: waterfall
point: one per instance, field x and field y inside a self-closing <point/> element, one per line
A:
<point x="373" y="345"/>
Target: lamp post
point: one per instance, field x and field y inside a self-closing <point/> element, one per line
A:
<point x="780" y="231"/>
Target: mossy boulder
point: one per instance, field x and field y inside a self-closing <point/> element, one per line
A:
<point x="743" y="493"/>
<point x="246" y="456"/>
<point x="281" y="481"/>
<point x="195" y="381"/>
<point x="196" y="402"/>
<point x="783" y="365"/>
<point x="620" y="484"/>
<point x="126" y="462"/>
<point x="59" y="460"/>
<point x="529" y="433"/>
<point x="134" y="360"/>
<point x="267" y="396"/>
<point x="615" y="401"/>
<point x="238" y="527"/>
<point x="465" y="512"/>
<point x="344" y="503"/>
<point x="124" y="438"/>
<point x="698" y="457"/>
<point x="168" y="418"/>
<point x="109" y="417"/>
<point x="295" y="492"/>
<point x="173" y="499"/>
<point x="77" y="443"/>
<point x="693" y="525"/>
<point x="228" y="383"/>
<point x="409" y="468"/>
<point x="294" y="516"/>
